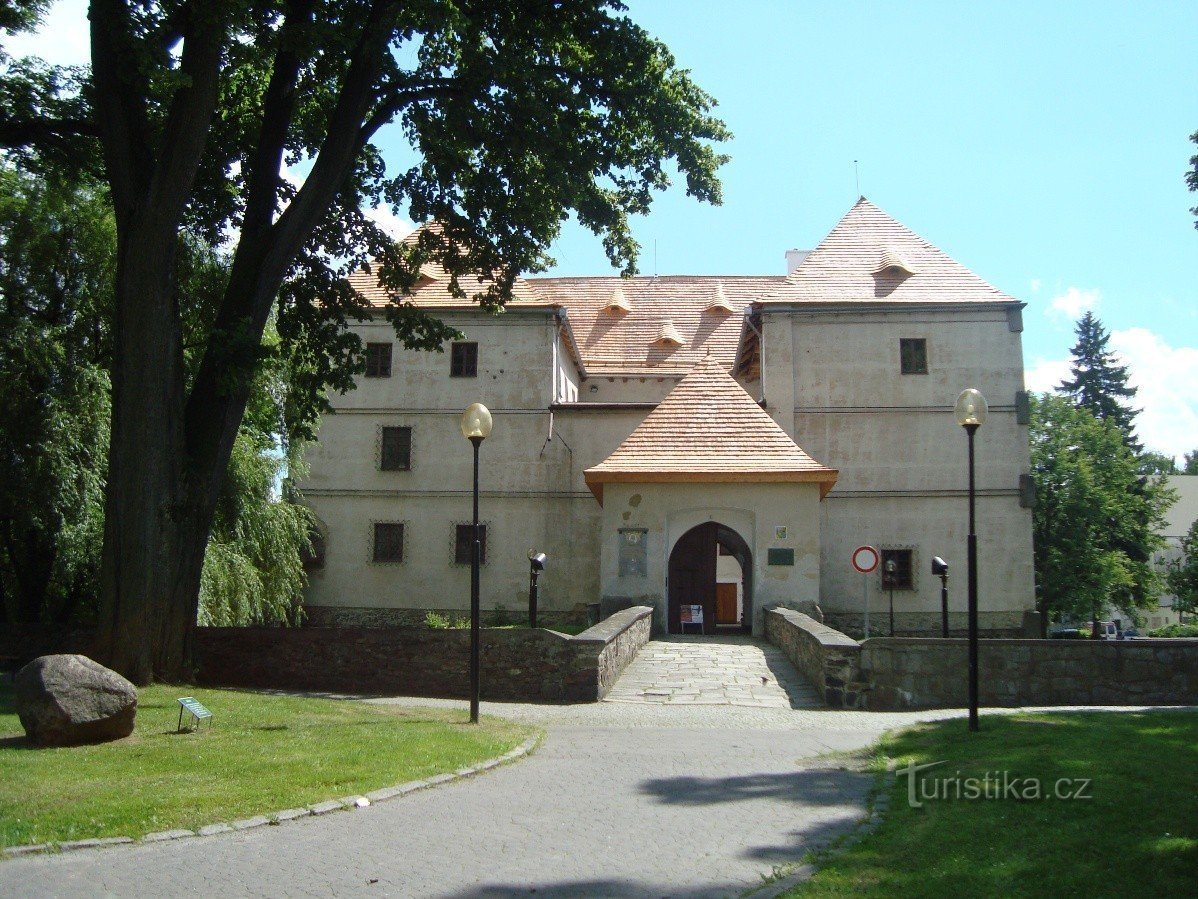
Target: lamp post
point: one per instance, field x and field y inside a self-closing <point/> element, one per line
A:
<point x="971" y="414"/>
<point x="476" y="427"/>
<point x="890" y="567"/>
<point x="940" y="570"/>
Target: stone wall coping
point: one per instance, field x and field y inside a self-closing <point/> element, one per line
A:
<point x="828" y="637"/>
<point x="613" y="625"/>
<point x="1144" y="642"/>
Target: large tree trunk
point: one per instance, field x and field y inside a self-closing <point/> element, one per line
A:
<point x="145" y="507"/>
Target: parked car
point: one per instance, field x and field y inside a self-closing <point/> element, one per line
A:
<point x="1065" y="633"/>
<point x="1108" y="630"/>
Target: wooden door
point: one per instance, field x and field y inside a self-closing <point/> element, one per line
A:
<point x="725" y="604"/>
<point x="692" y="576"/>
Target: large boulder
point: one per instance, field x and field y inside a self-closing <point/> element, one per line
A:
<point x="67" y="699"/>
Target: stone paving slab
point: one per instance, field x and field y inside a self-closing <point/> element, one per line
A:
<point x="728" y="671"/>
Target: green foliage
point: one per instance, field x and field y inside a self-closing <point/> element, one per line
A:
<point x="1098" y="382"/>
<point x="1175" y="630"/>
<point x="1096" y="518"/>
<point x="56" y="262"/>
<point x="500" y="617"/>
<point x="1190" y="465"/>
<point x="1192" y="175"/>
<point x="1153" y="463"/>
<point x="446" y="622"/>
<point x="1182" y="574"/>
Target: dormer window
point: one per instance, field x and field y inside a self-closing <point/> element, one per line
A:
<point x="668" y="335"/>
<point x="618" y="304"/>
<point x="719" y="302"/>
<point x="894" y="263"/>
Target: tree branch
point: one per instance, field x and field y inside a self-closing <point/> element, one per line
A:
<point x="15" y="133"/>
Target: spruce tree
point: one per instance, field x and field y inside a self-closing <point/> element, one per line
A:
<point x="1098" y="382"/>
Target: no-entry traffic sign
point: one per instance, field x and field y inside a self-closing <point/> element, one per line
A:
<point x="866" y="558"/>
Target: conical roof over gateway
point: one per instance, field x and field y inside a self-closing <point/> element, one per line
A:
<point x="855" y="263"/>
<point x="708" y="430"/>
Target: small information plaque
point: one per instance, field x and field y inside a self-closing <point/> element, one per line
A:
<point x="195" y="707"/>
<point x="778" y="556"/>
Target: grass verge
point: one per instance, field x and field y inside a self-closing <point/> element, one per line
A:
<point x="1137" y="834"/>
<point x="260" y="754"/>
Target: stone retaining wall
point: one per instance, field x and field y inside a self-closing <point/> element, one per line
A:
<point x="908" y="673"/>
<point x="518" y="665"/>
<point x="828" y="658"/>
<point x="888" y="673"/>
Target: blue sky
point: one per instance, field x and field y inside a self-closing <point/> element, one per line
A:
<point x="1043" y="145"/>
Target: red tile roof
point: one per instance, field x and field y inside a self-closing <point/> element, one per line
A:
<point x="708" y="429"/>
<point x="619" y="343"/>
<point x="856" y="263"/>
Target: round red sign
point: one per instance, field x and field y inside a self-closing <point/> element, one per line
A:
<point x="865" y="559"/>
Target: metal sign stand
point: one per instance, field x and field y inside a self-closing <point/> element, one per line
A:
<point x="865" y="560"/>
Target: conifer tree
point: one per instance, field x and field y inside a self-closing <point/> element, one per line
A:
<point x="1098" y="382"/>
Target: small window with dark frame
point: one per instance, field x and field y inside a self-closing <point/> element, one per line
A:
<point x="463" y="359"/>
<point x="913" y="353"/>
<point x="388" y="541"/>
<point x="396" y="452"/>
<point x="463" y="538"/>
<point x="903" y="576"/>
<point x="378" y="360"/>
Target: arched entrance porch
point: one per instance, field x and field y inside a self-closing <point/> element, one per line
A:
<point x="698" y="578"/>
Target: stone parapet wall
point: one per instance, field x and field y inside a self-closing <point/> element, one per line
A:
<point x="518" y="665"/>
<point x="615" y="642"/>
<point x="828" y="658"/>
<point x="909" y="673"/>
<point x="889" y="673"/>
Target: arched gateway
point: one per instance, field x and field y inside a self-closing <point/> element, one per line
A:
<point x="711" y="567"/>
<point x="709" y="451"/>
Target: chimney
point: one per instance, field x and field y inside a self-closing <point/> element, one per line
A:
<point x="794" y="258"/>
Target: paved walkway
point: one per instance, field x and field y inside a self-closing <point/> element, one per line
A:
<point x="646" y="798"/>
<point x="736" y="671"/>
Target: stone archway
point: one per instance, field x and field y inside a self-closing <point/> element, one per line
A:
<point x="693" y="580"/>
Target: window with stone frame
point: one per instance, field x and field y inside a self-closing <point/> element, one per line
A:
<point x="913" y="355"/>
<point x="463" y="359"/>
<point x="388" y="541"/>
<point x="395" y="449"/>
<point x="903" y="577"/>
<point x="378" y="360"/>
<point x="464" y="538"/>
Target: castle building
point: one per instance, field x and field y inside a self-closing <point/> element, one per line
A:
<point x="708" y="446"/>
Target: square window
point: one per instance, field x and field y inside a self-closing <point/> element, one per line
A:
<point x="378" y="360"/>
<point x="913" y="353"/>
<point x="396" y="451"/>
<point x="463" y="538"/>
<point x="388" y="541"/>
<point x="463" y="359"/>
<point x="903" y="577"/>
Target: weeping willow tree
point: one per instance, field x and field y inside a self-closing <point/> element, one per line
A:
<point x="253" y="567"/>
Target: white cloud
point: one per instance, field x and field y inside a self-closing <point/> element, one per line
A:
<point x="1035" y="285"/>
<point x="394" y="226"/>
<point x="1046" y="374"/>
<point x="1164" y="377"/>
<point x="63" y="40"/>
<point x="1072" y="303"/>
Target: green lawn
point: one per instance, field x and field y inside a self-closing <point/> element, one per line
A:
<point x="260" y="754"/>
<point x="1137" y="836"/>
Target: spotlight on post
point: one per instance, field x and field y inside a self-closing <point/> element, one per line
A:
<point x="536" y="564"/>
<point x="476" y="427"/>
<point x="940" y="570"/>
<point x="971" y="414"/>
